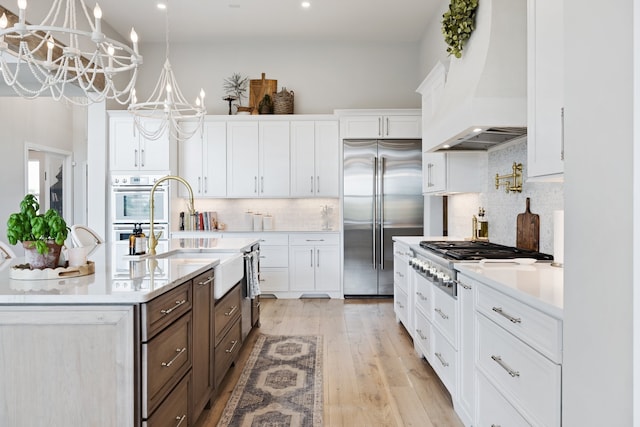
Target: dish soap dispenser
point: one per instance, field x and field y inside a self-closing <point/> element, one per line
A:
<point x="132" y="240"/>
<point x="483" y="225"/>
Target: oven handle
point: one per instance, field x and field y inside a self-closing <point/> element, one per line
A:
<point x="135" y="188"/>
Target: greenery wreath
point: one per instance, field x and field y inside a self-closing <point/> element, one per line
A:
<point x="457" y="24"/>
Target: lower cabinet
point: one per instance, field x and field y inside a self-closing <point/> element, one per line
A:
<point x="203" y="354"/>
<point x="174" y="411"/>
<point x="314" y="263"/>
<point x="227" y="332"/>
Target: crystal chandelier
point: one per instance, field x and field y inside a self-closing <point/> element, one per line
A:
<point x="168" y="106"/>
<point x="56" y="57"/>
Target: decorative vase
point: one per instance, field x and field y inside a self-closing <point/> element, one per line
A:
<point x="40" y="261"/>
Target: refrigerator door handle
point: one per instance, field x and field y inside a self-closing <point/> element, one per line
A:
<point x="380" y="198"/>
<point x="374" y="211"/>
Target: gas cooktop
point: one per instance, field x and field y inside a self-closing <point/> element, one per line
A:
<point x="464" y="250"/>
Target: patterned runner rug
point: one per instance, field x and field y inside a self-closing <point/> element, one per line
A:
<point x="281" y="385"/>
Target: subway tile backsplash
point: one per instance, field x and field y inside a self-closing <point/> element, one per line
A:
<point x="501" y="208"/>
<point x="287" y="214"/>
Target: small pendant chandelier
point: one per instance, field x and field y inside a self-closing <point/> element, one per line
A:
<point x="58" y="59"/>
<point x="167" y="104"/>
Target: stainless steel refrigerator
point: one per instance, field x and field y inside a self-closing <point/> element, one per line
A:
<point x="382" y="198"/>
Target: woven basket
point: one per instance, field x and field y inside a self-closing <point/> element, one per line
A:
<point x="283" y="102"/>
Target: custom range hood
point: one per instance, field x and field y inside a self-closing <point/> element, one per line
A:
<point x="484" y="101"/>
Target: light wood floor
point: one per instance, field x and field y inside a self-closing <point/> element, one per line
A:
<point x="372" y="376"/>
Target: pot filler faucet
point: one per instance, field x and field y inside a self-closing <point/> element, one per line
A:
<point x="153" y="239"/>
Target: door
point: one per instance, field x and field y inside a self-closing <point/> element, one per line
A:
<point x="274" y="159"/>
<point x="401" y="202"/>
<point x="242" y="159"/>
<point x="360" y="256"/>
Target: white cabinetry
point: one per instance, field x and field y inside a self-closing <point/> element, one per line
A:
<point x="274" y="263"/>
<point x="202" y="160"/>
<point x="466" y="401"/>
<point x="401" y="283"/>
<point x="518" y="359"/>
<point x="431" y="90"/>
<point x="258" y="159"/>
<point x="459" y="172"/>
<point x="315" y="263"/>
<point x="380" y="123"/>
<point x="315" y="159"/>
<point x="130" y="151"/>
<point x="545" y="59"/>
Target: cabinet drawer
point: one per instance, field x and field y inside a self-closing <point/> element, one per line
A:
<point x="174" y="411"/>
<point x="402" y="251"/>
<point x="422" y="336"/>
<point x="314" y="239"/>
<point x="227" y="351"/>
<point x="401" y="305"/>
<point x="274" y="280"/>
<point x="274" y="256"/>
<point x="423" y="295"/>
<point x="163" y="310"/>
<point x="444" y="361"/>
<point x="528" y="380"/>
<point x="273" y="239"/>
<point x="165" y="359"/>
<point x="541" y="331"/>
<point x="494" y="409"/>
<point x="400" y="272"/>
<point x="227" y="310"/>
<point x="445" y="315"/>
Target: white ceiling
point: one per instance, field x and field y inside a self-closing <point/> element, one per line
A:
<point x="198" y="20"/>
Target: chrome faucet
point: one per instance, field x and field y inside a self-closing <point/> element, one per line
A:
<point x="153" y="239"/>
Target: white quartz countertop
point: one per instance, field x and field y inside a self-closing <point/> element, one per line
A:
<point x="415" y="240"/>
<point x="539" y="285"/>
<point x="122" y="280"/>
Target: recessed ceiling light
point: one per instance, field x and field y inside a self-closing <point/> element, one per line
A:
<point x="306" y="4"/>
<point x="161" y="6"/>
<point x="446" y="146"/>
<point x="476" y="130"/>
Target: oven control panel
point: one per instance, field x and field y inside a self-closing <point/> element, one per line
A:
<point x="434" y="273"/>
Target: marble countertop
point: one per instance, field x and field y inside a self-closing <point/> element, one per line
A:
<point x="122" y="279"/>
<point x="539" y="285"/>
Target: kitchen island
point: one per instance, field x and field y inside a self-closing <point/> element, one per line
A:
<point x="115" y="348"/>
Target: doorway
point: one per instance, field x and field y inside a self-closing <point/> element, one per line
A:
<point x="49" y="178"/>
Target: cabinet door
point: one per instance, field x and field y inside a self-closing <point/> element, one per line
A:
<point x="302" y="159"/>
<point x="202" y="330"/>
<point x="327" y="264"/>
<point x="214" y="155"/>
<point x="190" y="161"/>
<point x="434" y="172"/>
<point x="545" y="89"/>
<point x="327" y="159"/>
<point x="274" y="159"/>
<point x="361" y="126"/>
<point x="242" y="159"/>
<point x="123" y="144"/>
<point x="467" y="383"/>
<point x="301" y="268"/>
<point x="402" y="126"/>
<point x="154" y="155"/>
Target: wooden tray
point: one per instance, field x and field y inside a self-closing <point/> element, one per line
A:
<point x="19" y="273"/>
<point x="258" y="89"/>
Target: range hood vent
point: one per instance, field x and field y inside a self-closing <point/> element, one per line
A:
<point x="484" y="100"/>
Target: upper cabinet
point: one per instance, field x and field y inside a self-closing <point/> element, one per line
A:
<point x="431" y="90"/>
<point x="315" y="152"/>
<point x="130" y="151"/>
<point x="258" y="159"/>
<point x="202" y="160"/>
<point x="545" y="141"/>
<point x="402" y="124"/>
<point x="456" y="172"/>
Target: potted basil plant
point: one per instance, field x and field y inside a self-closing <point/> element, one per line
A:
<point x="42" y="235"/>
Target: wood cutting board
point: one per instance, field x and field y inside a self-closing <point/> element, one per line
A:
<point x="258" y="89"/>
<point x="528" y="229"/>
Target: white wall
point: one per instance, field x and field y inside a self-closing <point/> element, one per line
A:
<point x="432" y="47"/>
<point x="43" y="122"/>
<point x="597" y="375"/>
<point x="323" y="76"/>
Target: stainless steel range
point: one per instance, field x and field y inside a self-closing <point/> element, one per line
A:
<point x="435" y="259"/>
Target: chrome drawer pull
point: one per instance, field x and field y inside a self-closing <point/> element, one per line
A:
<point x="230" y="312"/>
<point x="399" y="274"/>
<point x="464" y="285"/>
<point x="257" y="305"/>
<point x="419" y="331"/>
<point x="234" y="343"/>
<point x="504" y="366"/>
<point x="399" y="304"/>
<point x="444" y="316"/>
<point x="441" y="359"/>
<point x="206" y="282"/>
<point x="178" y="304"/>
<point x="422" y="297"/>
<point x="180" y="419"/>
<point x="503" y="314"/>
<point x="170" y="362"/>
